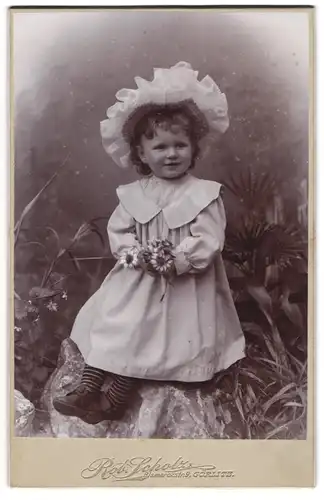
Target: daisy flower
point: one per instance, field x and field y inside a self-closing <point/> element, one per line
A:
<point x="161" y="262"/>
<point x="159" y="245"/>
<point x="52" y="306"/>
<point x="130" y="258"/>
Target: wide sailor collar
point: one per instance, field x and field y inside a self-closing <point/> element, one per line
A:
<point x="187" y="198"/>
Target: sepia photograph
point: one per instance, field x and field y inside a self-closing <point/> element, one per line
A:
<point x="161" y="171"/>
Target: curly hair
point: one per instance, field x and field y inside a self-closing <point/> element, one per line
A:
<point x="147" y="118"/>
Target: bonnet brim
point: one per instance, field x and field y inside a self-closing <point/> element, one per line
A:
<point x="173" y="87"/>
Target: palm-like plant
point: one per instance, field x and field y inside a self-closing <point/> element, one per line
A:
<point x="252" y="245"/>
<point x="254" y="191"/>
<point x="255" y="246"/>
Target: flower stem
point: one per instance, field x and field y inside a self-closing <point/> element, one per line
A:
<point x="166" y="287"/>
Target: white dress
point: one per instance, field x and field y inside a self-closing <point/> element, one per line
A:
<point x="194" y="332"/>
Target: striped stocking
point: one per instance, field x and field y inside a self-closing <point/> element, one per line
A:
<point x="120" y="390"/>
<point x="93" y="378"/>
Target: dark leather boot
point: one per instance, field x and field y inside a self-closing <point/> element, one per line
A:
<point x="79" y="402"/>
<point x="106" y="411"/>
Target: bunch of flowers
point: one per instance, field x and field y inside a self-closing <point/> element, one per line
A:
<point x="159" y="256"/>
<point x="156" y="258"/>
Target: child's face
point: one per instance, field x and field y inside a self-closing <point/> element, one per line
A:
<point x="168" y="154"/>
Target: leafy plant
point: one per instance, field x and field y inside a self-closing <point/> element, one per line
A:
<point x="36" y="348"/>
<point x="267" y="262"/>
<point x="263" y="252"/>
<point x="264" y="400"/>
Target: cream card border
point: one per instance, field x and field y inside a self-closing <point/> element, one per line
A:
<point x="65" y="462"/>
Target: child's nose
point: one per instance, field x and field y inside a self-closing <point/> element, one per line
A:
<point x="172" y="153"/>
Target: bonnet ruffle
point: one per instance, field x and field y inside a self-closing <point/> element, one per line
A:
<point x="169" y="86"/>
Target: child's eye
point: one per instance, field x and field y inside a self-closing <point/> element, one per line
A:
<point x="182" y="145"/>
<point x="159" y="146"/>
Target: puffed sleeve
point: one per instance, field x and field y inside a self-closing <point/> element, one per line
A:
<point x="196" y="252"/>
<point x="121" y="231"/>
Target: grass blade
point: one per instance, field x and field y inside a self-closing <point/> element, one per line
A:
<point x="252" y="376"/>
<point x="276" y="431"/>
<point x="294" y="403"/>
<point x="240" y="408"/>
<point x="278" y="396"/>
<point x="30" y="205"/>
<point x="74" y="260"/>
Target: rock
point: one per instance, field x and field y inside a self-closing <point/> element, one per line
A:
<point x="160" y="410"/>
<point x="24" y="415"/>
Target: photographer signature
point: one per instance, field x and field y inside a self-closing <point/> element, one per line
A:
<point x="141" y="468"/>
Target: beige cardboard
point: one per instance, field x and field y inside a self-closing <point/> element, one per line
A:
<point x="66" y="462"/>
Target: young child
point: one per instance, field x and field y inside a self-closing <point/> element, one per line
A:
<point x="126" y="329"/>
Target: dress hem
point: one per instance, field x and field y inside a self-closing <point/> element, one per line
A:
<point x="236" y="352"/>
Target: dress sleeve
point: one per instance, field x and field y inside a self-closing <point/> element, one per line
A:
<point x="196" y="252"/>
<point x="121" y="231"/>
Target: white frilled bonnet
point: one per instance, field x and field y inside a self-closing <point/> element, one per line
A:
<point x="170" y="86"/>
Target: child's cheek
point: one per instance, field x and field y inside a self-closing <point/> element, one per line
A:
<point x="160" y="155"/>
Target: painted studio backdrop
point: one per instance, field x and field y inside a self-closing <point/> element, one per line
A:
<point x="67" y="67"/>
